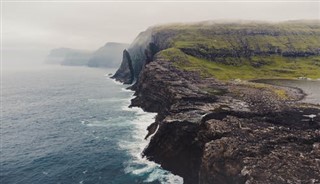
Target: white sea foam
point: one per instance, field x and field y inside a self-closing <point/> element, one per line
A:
<point x="116" y="82"/>
<point x="126" y="90"/>
<point x="138" y="165"/>
<point x="120" y="83"/>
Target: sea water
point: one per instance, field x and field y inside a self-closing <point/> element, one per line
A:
<point x="73" y="125"/>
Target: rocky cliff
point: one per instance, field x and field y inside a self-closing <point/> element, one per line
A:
<point x="142" y="50"/>
<point x="246" y="50"/>
<point x="125" y="73"/>
<point x="227" y="131"/>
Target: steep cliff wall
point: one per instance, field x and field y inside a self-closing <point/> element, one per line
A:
<point x="125" y="73"/>
<point x="142" y="50"/>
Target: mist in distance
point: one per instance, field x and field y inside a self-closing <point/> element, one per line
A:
<point x="31" y="30"/>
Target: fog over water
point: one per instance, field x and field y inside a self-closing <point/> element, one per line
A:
<point x="31" y="29"/>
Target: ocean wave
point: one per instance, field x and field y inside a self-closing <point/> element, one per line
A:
<point x="139" y="165"/>
<point x="127" y="90"/>
<point x="114" y="80"/>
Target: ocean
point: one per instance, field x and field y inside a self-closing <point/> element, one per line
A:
<point x="65" y="125"/>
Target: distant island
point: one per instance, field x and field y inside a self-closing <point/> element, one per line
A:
<point x="213" y="124"/>
<point x="108" y="56"/>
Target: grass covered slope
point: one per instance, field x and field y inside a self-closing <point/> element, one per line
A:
<point x="278" y="66"/>
<point x="245" y="50"/>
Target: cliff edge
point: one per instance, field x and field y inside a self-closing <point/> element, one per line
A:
<point x="228" y="132"/>
<point x="245" y="50"/>
<point x="216" y="130"/>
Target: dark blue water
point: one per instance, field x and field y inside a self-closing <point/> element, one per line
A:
<point x="72" y="125"/>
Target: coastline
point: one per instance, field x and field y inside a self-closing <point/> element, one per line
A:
<point x="194" y="122"/>
<point x="226" y="131"/>
<point x="140" y="165"/>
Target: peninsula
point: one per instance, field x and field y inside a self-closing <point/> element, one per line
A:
<point x="215" y="126"/>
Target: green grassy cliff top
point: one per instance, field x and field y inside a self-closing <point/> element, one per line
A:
<point x="245" y="50"/>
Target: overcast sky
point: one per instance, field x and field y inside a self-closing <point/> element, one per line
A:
<point x="31" y="29"/>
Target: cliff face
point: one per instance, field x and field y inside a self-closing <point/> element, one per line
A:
<point x="246" y="50"/>
<point x="142" y="50"/>
<point x="227" y="132"/>
<point x="125" y="73"/>
<point x="213" y="131"/>
<point x="173" y="145"/>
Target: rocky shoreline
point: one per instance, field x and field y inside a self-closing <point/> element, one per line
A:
<point x="214" y="131"/>
<point x="228" y="132"/>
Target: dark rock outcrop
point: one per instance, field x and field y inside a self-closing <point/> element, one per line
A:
<point x="212" y="131"/>
<point x="143" y="49"/>
<point x="125" y="74"/>
<point x="244" y="135"/>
